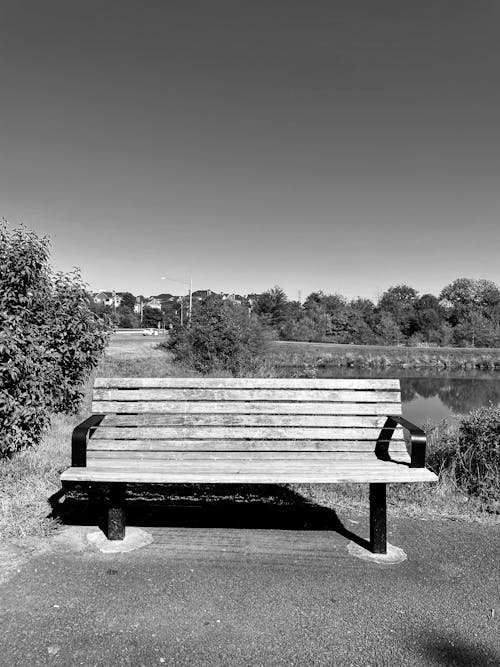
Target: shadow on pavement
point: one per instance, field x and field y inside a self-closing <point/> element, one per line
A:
<point x="451" y="650"/>
<point x="201" y="506"/>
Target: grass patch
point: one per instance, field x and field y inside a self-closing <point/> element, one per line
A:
<point x="30" y="478"/>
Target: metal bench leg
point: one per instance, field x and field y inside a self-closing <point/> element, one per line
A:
<point x="378" y="519"/>
<point x="116" y="512"/>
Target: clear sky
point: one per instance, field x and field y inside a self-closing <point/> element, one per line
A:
<point x="343" y="146"/>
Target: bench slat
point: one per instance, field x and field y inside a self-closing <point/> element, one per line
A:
<point x="290" y="395"/>
<point x="245" y="407"/>
<point x="385" y="473"/>
<point x="248" y="383"/>
<point x="274" y="466"/>
<point x="116" y="458"/>
<point x="353" y="421"/>
<point x="239" y="432"/>
<point x="240" y="445"/>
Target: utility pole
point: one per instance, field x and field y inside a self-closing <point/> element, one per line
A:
<point x="182" y="312"/>
<point x="185" y="282"/>
<point x="190" y="298"/>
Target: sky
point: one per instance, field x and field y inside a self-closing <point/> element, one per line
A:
<point x="316" y="145"/>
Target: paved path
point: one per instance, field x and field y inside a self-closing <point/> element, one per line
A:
<point x="215" y="596"/>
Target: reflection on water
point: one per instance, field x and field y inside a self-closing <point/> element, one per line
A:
<point x="433" y="395"/>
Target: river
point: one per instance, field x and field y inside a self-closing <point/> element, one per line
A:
<point x="433" y="395"/>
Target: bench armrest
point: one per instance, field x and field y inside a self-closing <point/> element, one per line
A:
<point x="79" y="439"/>
<point x="418" y="439"/>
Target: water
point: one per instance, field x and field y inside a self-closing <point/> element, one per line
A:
<point x="433" y="395"/>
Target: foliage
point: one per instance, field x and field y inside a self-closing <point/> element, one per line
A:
<point x="272" y="307"/>
<point x="151" y="317"/>
<point x="128" y="301"/>
<point x="467" y="314"/>
<point x="221" y="336"/>
<point x="477" y="467"/>
<point x="441" y="447"/>
<point x="49" y="338"/>
<point x="126" y="318"/>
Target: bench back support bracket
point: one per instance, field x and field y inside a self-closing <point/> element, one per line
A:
<point x="80" y="437"/>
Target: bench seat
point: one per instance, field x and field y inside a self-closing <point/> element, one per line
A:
<point x="247" y="430"/>
<point x="272" y="471"/>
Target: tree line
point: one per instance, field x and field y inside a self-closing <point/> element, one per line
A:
<point x="466" y="313"/>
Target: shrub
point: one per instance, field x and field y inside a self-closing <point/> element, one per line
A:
<point x="221" y="336"/>
<point x="477" y="467"/>
<point x="49" y="339"/>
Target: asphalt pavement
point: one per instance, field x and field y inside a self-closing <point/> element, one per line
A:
<point x="252" y="596"/>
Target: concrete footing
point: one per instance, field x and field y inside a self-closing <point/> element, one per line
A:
<point x="135" y="538"/>
<point x="394" y="554"/>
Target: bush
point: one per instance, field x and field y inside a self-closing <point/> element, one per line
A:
<point x="441" y="447"/>
<point x="477" y="467"/>
<point x="49" y="339"/>
<point x="221" y="336"/>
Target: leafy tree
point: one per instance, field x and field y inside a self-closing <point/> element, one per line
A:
<point x="388" y="330"/>
<point x="128" y="301"/>
<point x="362" y="321"/>
<point x="399" y="302"/>
<point x="50" y="339"/>
<point x="151" y="317"/>
<point x="474" y="310"/>
<point x="332" y="303"/>
<point x="221" y="336"/>
<point x="272" y="306"/>
<point x="429" y="316"/>
<point x="127" y="319"/>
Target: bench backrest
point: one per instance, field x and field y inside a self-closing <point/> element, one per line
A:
<point x="164" y="417"/>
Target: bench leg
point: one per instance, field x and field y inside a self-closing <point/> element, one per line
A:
<point x="115" y="520"/>
<point x="378" y="519"/>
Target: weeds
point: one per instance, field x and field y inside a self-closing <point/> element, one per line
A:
<point x="380" y="357"/>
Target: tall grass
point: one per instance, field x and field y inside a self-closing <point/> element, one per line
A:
<point x="379" y="357"/>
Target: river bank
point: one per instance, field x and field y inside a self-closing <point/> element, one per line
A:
<point x="292" y="353"/>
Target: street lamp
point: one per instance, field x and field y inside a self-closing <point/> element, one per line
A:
<point x="184" y="282"/>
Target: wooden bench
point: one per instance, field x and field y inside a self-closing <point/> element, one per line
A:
<point x="256" y="431"/>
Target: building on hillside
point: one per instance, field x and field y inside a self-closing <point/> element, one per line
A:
<point x="234" y="298"/>
<point x="201" y="294"/>
<point x="111" y="299"/>
<point x="165" y="298"/>
<point x="153" y="302"/>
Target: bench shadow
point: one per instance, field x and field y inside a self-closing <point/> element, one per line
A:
<point x="448" y="649"/>
<point x="200" y="506"/>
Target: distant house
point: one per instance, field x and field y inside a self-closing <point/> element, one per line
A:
<point x="111" y="299"/>
<point x="201" y="294"/>
<point x="165" y="298"/>
<point x="154" y="303"/>
<point x="234" y="298"/>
